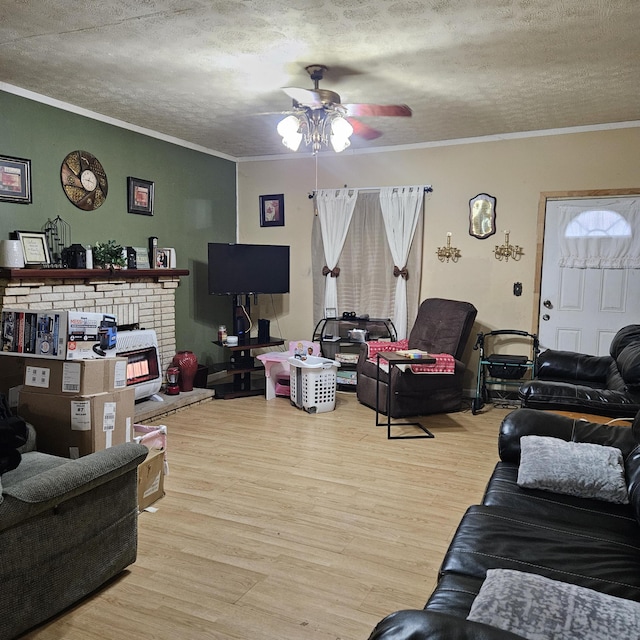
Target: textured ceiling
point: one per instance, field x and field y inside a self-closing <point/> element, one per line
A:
<point x="210" y="71"/>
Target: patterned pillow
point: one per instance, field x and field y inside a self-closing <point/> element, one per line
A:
<point x="539" y="608"/>
<point x="574" y="468"/>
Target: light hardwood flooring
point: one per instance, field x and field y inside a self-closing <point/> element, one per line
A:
<point x="280" y="525"/>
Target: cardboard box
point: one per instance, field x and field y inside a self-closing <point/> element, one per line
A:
<point x="74" y="426"/>
<point x="79" y="377"/>
<point x="34" y="333"/>
<point x="60" y="335"/>
<point x="151" y="478"/>
<point x="90" y="335"/>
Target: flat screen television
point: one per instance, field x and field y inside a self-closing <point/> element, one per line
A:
<point x="236" y="269"/>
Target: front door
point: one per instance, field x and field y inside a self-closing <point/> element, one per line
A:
<point x="581" y="309"/>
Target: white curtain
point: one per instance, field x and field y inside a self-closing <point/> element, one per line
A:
<point x="401" y="208"/>
<point x="335" y="209"/>
<point x="602" y="237"/>
<point x="366" y="283"/>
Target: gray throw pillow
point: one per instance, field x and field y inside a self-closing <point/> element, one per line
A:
<point x="574" y="468"/>
<point x="539" y="608"/>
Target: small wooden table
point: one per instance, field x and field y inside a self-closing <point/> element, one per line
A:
<point x="592" y="417"/>
<point x="394" y="359"/>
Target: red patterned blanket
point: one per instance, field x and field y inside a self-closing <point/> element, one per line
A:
<point x="445" y="362"/>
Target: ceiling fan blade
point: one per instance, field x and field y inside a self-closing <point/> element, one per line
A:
<point x="303" y="96"/>
<point x="363" y="130"/>
<point x="378" y="110"/>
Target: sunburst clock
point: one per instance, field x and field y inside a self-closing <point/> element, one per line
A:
<point x="84" y="180"/>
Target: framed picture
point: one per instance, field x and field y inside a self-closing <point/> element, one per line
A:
<point x="272" y="211"/>
<point x="140" y="196"/>
<point x="142" y="258"/>
<point x="330" y="313"/>
<point x="34" y="247"/>
<point x="165" y="258"/>
<point x="15" y="180"/>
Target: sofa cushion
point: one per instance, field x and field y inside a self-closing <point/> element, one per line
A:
<point x="597" y="515"/>
<point x="538" y="608"/>
<point x="576" y="468"/>
<point x="500" y="538"/>
<point x="531" y="422"/>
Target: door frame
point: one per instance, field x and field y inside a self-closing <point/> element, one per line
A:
<point x="542" y="211"/>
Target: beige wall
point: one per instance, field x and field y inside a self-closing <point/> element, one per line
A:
<point x="514" y="171"/>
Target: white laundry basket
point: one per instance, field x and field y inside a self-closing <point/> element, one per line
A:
<point x="313" y="383"/>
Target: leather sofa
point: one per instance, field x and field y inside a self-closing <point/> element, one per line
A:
<point x="601" y="385"/>
<point x="582" y="541"/>
<point x="66" y="527"/>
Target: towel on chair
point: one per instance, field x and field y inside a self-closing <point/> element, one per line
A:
<point x="445" y="362"/>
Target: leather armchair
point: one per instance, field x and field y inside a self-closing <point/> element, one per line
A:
<point x="442" y="326"/>
<point x="602" y="385"/>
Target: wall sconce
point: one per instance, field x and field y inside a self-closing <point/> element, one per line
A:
<point x="448" y="253"/>
<point x="506" y="251"/>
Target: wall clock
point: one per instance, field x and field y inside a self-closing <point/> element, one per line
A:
<point x="84" y="180"/>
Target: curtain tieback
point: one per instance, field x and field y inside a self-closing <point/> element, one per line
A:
<point x="334" y="272"/>
<point x="400" y="272"/>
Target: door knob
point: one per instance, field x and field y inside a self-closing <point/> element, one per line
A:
<point x="546" y="316"/>
<point x="547" y="304"/>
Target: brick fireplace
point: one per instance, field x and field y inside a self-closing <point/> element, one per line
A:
<point x="143" y="297"/>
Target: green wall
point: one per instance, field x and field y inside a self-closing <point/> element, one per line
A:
<point x="195" y="200"/>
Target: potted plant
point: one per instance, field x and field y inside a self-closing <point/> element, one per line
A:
<point x="108" y="255"/>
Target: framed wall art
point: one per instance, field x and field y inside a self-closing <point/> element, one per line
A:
<point x="15" y="180"/>
<point x="140" y="196"/>
<point x="272" y="211"/>
<point x="35" y="247"/>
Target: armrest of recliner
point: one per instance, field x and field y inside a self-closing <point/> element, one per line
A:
<point x="533" y="422"/>
<point x="569" y="366"/>
<point x="67" y="480"/>
<point x="419" y="624"/>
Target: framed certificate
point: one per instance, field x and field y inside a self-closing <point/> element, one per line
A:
<point x="34" y="247"/>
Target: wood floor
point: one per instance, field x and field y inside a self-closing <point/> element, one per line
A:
<point x="280" y="525"/>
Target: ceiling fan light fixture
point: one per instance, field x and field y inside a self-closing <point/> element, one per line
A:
<point x="289" y="129"/>
<point x="341" y="131"/>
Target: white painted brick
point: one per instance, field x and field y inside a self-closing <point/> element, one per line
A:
<point x="32" y="297"/>
<point x="17" y="291"/>
<point x="52" y="297"/>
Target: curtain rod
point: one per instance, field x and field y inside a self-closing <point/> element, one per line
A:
<point x="427" y="189"/>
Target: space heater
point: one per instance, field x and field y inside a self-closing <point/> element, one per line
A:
<point x="140" y="348"/>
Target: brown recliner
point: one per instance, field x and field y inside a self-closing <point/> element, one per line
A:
<point x="442" y="326"/>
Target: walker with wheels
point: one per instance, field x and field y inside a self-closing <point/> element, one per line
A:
<point x="502" y="370"/>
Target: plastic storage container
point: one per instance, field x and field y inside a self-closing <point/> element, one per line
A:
<point x="313" y="383"/>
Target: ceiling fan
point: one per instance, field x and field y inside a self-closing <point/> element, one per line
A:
<point x="320" y="118"/>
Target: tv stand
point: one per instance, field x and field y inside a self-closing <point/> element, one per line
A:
<point x="241" y="365"/>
